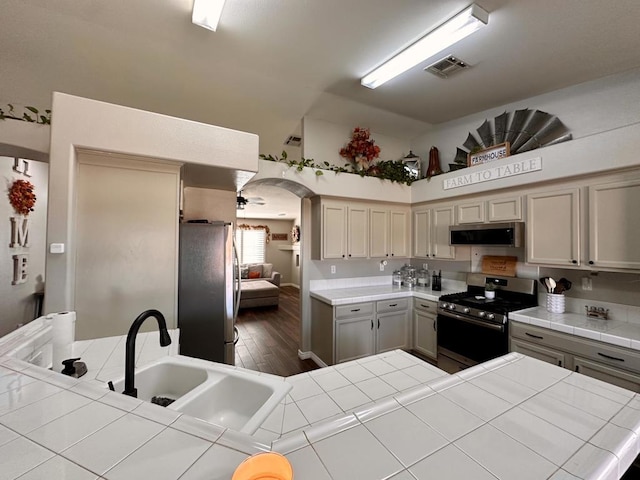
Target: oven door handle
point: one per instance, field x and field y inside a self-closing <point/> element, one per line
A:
<point x="490" y="326"/>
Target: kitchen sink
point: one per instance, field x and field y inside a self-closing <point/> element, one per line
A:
<point x="227" y="396"/>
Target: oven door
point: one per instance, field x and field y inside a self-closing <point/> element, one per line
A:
<point x="470" y="341"/>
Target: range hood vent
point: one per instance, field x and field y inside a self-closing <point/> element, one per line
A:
<point x="447" y="66"/>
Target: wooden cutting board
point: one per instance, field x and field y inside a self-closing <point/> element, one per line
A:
<point x="499" y="265"/>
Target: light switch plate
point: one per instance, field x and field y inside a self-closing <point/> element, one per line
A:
<point x="56" y="248"/>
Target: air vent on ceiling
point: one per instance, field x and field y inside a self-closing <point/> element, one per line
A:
<point x="446" y="66"/>
<point x="293" y="140"/>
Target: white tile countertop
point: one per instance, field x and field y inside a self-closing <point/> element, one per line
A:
<point x="615" y="332"/>
<point x="345" y="296"/>
<point x="389" y="416"/>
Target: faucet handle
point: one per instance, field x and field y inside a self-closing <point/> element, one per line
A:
<point x="69" y="369"/>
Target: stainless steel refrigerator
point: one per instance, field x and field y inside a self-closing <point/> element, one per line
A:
<point x="208" y="291"/>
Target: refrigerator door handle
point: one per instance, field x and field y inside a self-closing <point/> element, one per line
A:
<point x="236" y="307"/>
<point x="237" y="335"/>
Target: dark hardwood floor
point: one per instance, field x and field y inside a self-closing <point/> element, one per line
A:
<point x="270" y="337"/>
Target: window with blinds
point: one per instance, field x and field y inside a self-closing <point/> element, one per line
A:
<point x="251" y="245"/>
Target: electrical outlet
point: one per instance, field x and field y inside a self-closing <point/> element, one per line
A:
<point x="381" y="267"/>
<point x="587" y="284"/>
<point x="425" y="266"/>
<point x="333" y="269"/>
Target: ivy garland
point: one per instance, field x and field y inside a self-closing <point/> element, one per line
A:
<point x="21" y="197"/>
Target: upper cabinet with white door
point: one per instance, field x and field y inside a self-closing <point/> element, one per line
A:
<point x="614" y="225"/>
<point x="431" y="233"/>
<point x="553" y="227"/>
<point x="351" y="229"/>
<point x="495" y="209"/>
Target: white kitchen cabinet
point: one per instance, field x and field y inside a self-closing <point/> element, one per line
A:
<point x="471" y="212"/>
<point x="388" y="232"/>
<point x="614" y="225"/>
<point x="431" y="234"/>
<point x="553" y="227"/>
<point x="344" y="230"/>
<point x="425" y="335"/>
<point x="357" y="232"/>
<point x="334" y="233"/>
<point x="505" y="209"/>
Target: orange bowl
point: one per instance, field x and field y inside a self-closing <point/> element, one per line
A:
<point x="264" y="466"/>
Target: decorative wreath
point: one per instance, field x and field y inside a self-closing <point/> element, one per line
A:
<point x="295" y="234"/>
<point x="21" y="197"/>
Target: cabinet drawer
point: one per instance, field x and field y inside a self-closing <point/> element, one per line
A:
<point x="394" y="305"/>
<point x="354" y="310"/>
<point x="426" y="306"/>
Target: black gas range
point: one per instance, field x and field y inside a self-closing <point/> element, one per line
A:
<point x="472" y="328"/>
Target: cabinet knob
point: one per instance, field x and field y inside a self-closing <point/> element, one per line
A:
<point x="574" y="261"/>
<point x="590" y="262"/>
<point x="349" y="255"/>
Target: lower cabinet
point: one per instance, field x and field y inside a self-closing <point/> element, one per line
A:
<point x="425" y="335"/>
<point x="545" y="354"/>
<point x="612" y="364"/>
<point x="355" y="338"/>
<point x="349" y="332"/>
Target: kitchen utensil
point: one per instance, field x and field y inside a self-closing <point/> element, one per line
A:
<point x="552" y="284"/>
<point x="562" y="286"/>
<point x="543" y="282"/>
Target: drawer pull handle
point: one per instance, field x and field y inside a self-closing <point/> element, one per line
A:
<point x="355" y="310"/>
<point x="434" y="326"/>
<point x="425" y="306"/>
<point x="559" y="363"/>
<point x="577" y="368"/>
<point x="534" y="336"/>
<point x="378" y="324"/>
<point x="611" y="358"/>
<point x="393" y="304"/>
<point x="371" y="324"/>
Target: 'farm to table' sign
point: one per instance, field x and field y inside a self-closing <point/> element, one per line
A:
<point x="510" y="169"/>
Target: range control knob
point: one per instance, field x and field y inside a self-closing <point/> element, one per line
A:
<point x="481" y="314"/>
<point x="466" y="310"/>
<point x="443" y="305"/>
<point x="491" y="316"/>
<point x="452" y="306"/>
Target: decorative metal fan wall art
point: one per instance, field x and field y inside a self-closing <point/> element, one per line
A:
<point x="524" y="130"/>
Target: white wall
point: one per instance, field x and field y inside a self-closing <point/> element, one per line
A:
<point x="17" y="305"/>
<point x="209" y="204"/>
<point x="323" y="140"/>
<point x="586" y="109"/>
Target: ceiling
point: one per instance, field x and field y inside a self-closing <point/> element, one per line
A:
<point x="272" y="62"/>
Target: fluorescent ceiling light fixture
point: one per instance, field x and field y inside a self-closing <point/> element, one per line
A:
<point x="206" y="13"/>
<point x="462" y="25"/>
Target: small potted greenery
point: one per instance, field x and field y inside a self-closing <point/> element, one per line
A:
<point x="490" y="291"/>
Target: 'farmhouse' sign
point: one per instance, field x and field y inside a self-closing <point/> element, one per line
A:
<point x="506" y="170"/>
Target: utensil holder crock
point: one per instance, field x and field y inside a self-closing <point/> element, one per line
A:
<point x="555" y="303"/>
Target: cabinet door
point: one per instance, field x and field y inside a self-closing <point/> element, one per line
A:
<point x="378" y="232"/>
<point x="358" y="232"/>
<point x="504" y="209"/>
<point x="334" y="224"/>
<point x="553" y="228"/>
<point x="611" y="375"/>
<point x="422" y="233"/>
<point x="425" y="339"/>
<point x="471" y="212"/>
<point x="354" y="338"/>
<point x="442" y="218"/>
<point x="536" y="351"/>
<point x="393" y="331"/>
<point x="399" y="223"/>
<point x="614" y="225"/>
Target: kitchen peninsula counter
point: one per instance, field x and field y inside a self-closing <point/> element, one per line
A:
<point x="346" y="296"/>
<point x="512" y="417"/>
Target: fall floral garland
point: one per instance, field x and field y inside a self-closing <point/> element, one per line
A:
<point x="21" y="197"/>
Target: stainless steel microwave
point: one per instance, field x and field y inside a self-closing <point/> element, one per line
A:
<point x="490" y="234"/>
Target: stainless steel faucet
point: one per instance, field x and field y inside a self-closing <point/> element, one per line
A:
<point x="130" y="354"/>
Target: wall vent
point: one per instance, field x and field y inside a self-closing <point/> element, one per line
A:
<point x="446" y="66"/>
<point x="293" y="140"/>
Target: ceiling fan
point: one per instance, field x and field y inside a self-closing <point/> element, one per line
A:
<point x="241" y="201"/>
